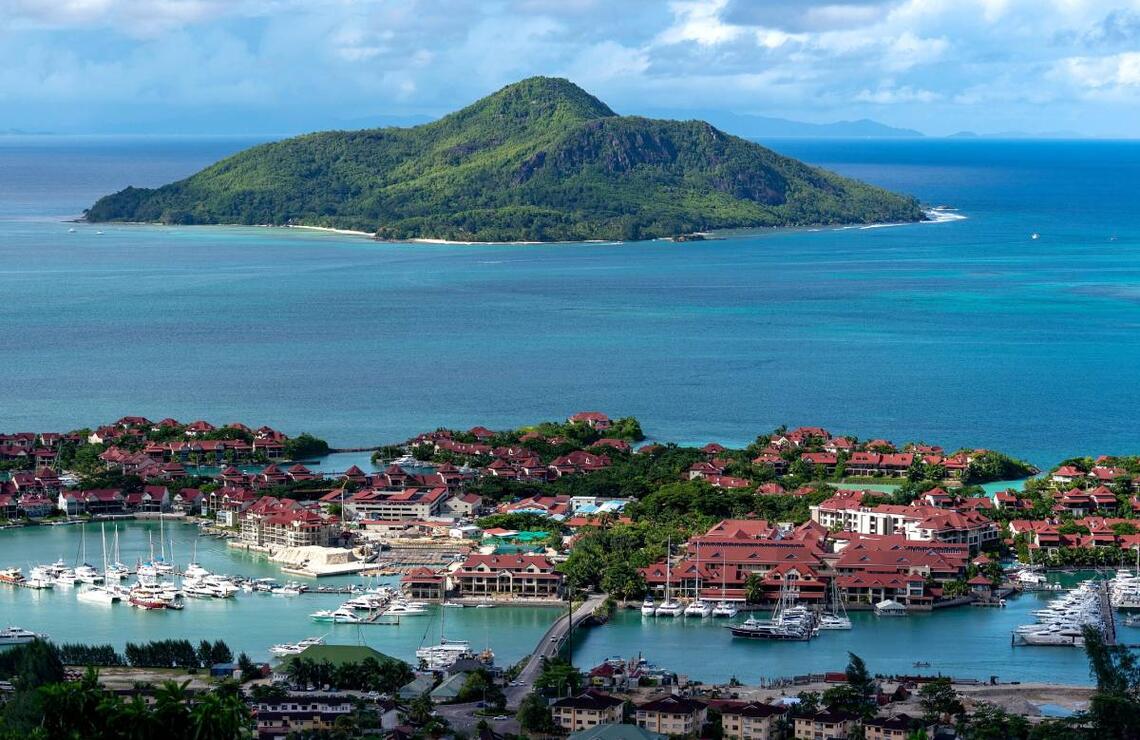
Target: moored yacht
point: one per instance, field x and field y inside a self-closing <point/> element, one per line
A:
<point x="699" y="608"/>
<point x="725" y="609"/>
<point x="648" y="606"/>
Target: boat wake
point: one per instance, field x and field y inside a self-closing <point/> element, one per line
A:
<point x="943" y="214"/>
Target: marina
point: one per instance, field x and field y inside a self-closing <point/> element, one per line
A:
<point x="258" y="619"/>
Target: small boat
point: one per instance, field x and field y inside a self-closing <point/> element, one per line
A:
<point x="98" y="595"/>
<point x="1034" y="235"/>
<point x="71" y="231"/>
<point x="453" y="605"/>
<point x="648" y="607"/>
<point x="345" y="616"/>
<point x="1132" y="620"/>
<point x="485" y="605"/>
<point x="18" y="636"/>
<point x="323" y="615"/>
<point x="11" y="575"/>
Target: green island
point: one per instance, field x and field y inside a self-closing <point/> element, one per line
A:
<point x="539" y="160"/>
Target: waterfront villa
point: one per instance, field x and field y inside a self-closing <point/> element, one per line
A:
<point x="517" y="575"/>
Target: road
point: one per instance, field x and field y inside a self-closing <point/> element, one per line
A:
<point x="462" y="716"/>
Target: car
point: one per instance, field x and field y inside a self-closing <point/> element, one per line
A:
<point x="501" y="718"/>
<point x="516" y="683"/>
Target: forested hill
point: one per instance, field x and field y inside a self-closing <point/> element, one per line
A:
<point x="539" y="160"/>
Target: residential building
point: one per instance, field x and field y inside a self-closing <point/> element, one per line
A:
<point x="519" y="575"/>
<point x="588" y="709"/>
<point x="751" y="720"/>
<point x="824" y="725"/>
<point x="673" y="715"/>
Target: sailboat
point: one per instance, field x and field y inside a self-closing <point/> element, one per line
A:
<point x="116" y="570"/>
<point x="698" y="607"/>
<point x="84" y="571"/>
<point x="835" y="618"/>
<point x="669" y="607"/>
<point x="96" y="594"/>
<point x="724" y="607"/>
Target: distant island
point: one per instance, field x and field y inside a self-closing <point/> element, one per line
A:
<point x="539" y="160"/>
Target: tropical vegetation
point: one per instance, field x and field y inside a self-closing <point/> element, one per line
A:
<point x="539" y="160"/>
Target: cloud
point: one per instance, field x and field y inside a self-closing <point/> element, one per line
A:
<point x="920" y="63"/>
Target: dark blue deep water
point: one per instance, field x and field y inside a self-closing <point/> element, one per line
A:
<point x="962" y="333"/>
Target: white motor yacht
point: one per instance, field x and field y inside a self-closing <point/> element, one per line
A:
<point x="18" y="636"/>
<point x="648" y="607"/>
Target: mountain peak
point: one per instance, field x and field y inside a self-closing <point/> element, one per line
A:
<point x="535" y="99"/>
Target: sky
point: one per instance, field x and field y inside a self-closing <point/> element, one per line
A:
<point x="283" y="66"/>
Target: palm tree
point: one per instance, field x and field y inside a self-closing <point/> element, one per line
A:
<point x="754" y="588"/>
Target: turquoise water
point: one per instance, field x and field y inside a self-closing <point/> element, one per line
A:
<point x="965" y="642"/>
<point x="963" y="333"/>
<point x="249" y="622"/>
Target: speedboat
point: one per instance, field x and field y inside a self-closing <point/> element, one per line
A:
<point x="453" y="604"/>
<point x="401" y="608"/>
<point x="323" y="615"/>
<point x="18" y="636"/>
<point x="698" y="608"/>
<point x="345" y="616"/>
<point x="648" y="607"/>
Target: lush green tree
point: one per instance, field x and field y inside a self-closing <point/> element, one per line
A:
<point x="305" y="446"/>
<point x="754" y="588"/>
<point x="1114" y="709"/>
<point x="623" y="581"/>
<point x="991" y="722"/>
<point x="939" y="701"/>
<point x="534" y="714"/>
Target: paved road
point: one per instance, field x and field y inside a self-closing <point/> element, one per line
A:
<point x="548" y="647"/>
<point x="462" y="717"/>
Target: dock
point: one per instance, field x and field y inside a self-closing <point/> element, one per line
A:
<point x="1108" y="618"/>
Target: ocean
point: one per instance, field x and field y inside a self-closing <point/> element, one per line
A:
<point x="967" y="332"/>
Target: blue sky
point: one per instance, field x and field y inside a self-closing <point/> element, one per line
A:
<point x="280" y="66"/>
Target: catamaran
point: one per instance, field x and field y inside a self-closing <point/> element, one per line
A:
<point x="835" y="618"/>
<point x="669" y="607"/>
<point x="97" y="593"/>
<point x="698" y="607"/>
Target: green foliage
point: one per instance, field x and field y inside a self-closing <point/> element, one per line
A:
<point x="368" y="675"/>
<point x="82" y="710"/>
<point x="480" y="686"/>
<point x="991" y="722"/>
<point x="559" y="677"/>
<point x="990" y="466"/>
<point x="523" y="521"/>
<point x="305" y="446"/>
<point x="939" y="701"/>
<point x="539" y="160"/>
<point x="534" y="715"/>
